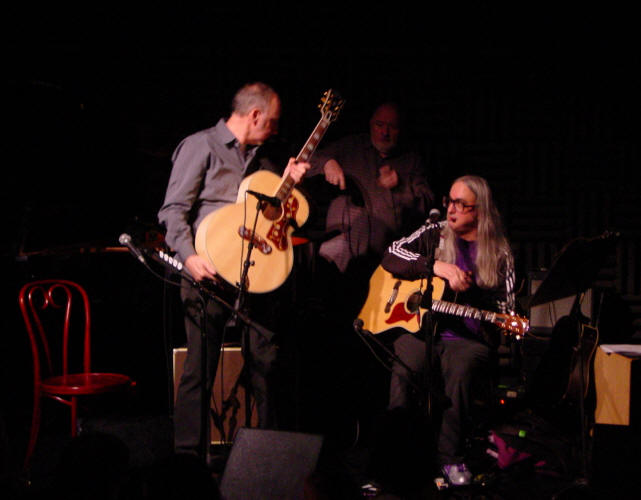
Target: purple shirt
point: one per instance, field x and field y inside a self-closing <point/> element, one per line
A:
<point x="465" y="257"/>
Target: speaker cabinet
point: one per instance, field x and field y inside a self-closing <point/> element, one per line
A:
<point x="269" y="464"/>
<point x="617" y="379"/>
<point x="228" y="394"/>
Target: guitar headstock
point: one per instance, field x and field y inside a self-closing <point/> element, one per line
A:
<point x="514" y="324"/>
<point x="331" y="105"/>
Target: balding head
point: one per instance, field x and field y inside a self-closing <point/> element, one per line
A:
<point x="384" y="127"/>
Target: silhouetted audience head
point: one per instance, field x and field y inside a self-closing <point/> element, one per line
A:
<point x="177" y="477"/>
<point x="92" y="466"/>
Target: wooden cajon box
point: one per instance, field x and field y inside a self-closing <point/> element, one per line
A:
<point x="230" y="365"/>
<point x="617" y="381"/>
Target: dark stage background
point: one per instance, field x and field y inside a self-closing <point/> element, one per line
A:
<point x="540" y="98"/>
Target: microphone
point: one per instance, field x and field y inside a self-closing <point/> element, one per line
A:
<point x="433" y="221"/>
<point x="272" y="200"/>
<point x="435" y="215"/>
<point x="125" y="240"/>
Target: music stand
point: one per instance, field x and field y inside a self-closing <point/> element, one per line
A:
<point x="573" y="272"/>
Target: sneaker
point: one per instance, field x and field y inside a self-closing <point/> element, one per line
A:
<point x="371" y="489"/>
<point x="457" y="474"/>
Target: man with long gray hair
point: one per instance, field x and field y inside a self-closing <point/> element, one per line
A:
<point x="475" y="262"/>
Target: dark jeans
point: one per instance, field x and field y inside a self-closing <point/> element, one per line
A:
<point x="465" y="368"/>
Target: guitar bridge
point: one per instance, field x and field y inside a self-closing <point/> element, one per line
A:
<point x="259" y="242"/>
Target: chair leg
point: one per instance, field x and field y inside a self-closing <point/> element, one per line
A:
<point x="74" y="416"/>
<point x="35" y="428"/>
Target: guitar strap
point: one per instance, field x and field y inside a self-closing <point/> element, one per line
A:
<point x="255" y="165"/>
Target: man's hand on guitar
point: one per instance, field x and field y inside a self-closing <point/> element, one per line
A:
<point x="458" y="279"/>
<point x="296" y="170"/>
<point x="199" y="268"/>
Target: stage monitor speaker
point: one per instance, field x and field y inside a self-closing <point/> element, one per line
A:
<point x="544" y="316"/>
<point x="226" y="387"/>
<point x="269" y="464"/>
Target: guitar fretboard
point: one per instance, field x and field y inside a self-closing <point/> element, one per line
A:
<point x="286" y="186"/>
<point x="463" y="311"/>
<point x="312" y="142"/>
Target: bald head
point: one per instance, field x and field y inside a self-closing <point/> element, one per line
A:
<point x="253" y="95"/>
<point x="255" y="114"/>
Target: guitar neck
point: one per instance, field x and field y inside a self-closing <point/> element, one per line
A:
<point x="286" y="186"/>
<point x="463" y="311"/>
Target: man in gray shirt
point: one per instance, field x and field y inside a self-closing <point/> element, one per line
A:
<point x="208" y="168"/>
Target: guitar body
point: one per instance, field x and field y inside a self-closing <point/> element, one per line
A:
<point x="392" y="302"/>
<point x="581" y="363"/>
<point x="223" y="237"/>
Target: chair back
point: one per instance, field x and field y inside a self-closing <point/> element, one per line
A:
<point x="48" y="308"/>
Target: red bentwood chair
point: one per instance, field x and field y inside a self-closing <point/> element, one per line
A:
<point x="46" y="306"/>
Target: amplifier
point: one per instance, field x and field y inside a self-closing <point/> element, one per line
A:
<point x="227" y="389"/>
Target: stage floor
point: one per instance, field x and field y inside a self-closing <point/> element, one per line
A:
<point x="132" y="450"/>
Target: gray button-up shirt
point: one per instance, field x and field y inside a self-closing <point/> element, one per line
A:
<point x="208" y="168"/>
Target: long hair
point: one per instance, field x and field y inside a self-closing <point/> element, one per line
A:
<point x="493" y="249"/>
<point x="252" y="95"/>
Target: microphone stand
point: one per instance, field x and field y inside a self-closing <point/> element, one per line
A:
<point x="125" y="240"/>
<point x="368" y="338"/>
<point x="239" y="306"/>
<point x="433" y="238"/>
<point x="238" y="312"/>
<point x="204" y="393"/>
<point x="205" y="294"/>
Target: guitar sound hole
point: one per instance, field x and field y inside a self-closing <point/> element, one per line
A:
<point x="414" y="302"/>
<point x="271" y="212"/>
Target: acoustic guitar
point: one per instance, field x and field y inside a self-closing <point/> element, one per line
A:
<point x="224" y="236"/>
<point x="395" y="303"/>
